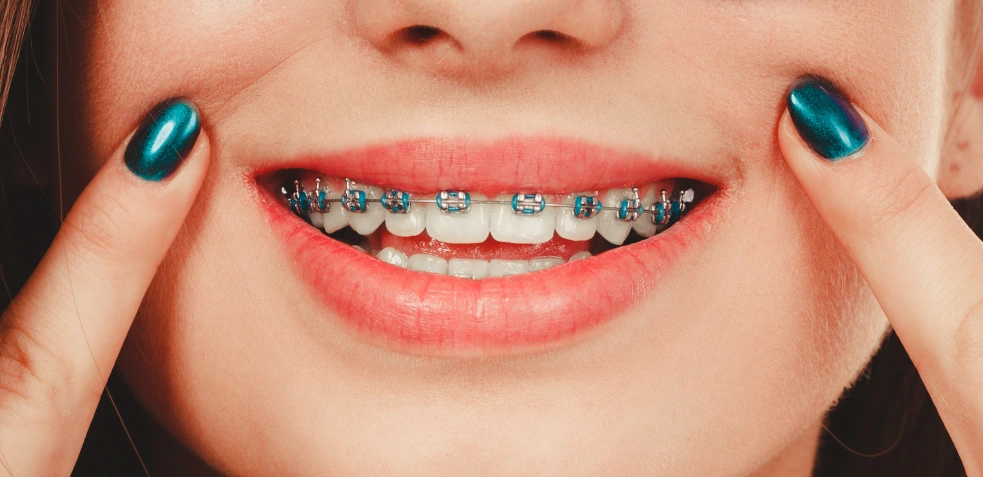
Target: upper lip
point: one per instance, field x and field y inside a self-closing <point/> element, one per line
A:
<point x="551" y="165"/>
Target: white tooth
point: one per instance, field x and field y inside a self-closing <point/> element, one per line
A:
<point x="570" y="227"/>
<point x="393" y="257"/>
<point x="465" y="227"/>
<point x="409" y="224"/>
<point x="580" y="256"/>
<point x="649" y="195"/>
<point x="366" y="222"/>
<point x="688" y="195"/>
<point x="608" y="225"/>
<point x="509" y="227"/>
<point x="542" y="263"/>
<point x="501" y="268"/>
<point x="360" y="249"/>
<point x="336" y="218"/>
<point x="422" y="262"/>
<point x="317" y="220"/>
<point x="467" y="268"/>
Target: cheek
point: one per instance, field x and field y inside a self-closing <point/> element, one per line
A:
<point x="743" y="56"/>
<point x="128" y="55"/>
<point x="778" y="326"/>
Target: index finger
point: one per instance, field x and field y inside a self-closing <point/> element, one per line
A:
<point x="60" y="336"/>
<point x="922" y="262"/>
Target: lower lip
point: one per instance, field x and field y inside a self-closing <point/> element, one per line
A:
<point x="433" y="314"/>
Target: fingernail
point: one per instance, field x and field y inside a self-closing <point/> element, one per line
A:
<point x="163" y="140"/>
<point x="825" y="119"/>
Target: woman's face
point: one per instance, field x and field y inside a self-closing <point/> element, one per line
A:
<point x="264" y="346"/>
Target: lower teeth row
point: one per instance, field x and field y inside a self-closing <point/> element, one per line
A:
<point x="471" y="268"/>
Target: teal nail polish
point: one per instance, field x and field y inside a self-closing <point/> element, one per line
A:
<point x="164" y="138"/>
<point x="825" y="119"/>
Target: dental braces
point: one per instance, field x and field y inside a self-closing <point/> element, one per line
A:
<point x="663" y="212"/>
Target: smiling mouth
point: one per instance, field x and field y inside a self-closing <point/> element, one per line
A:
<point x="447" y="246"/>
<point x="478" y="236"/>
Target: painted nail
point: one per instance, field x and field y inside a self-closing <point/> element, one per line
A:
<point x="825" y="119"/>
<point x="163" y="140"/>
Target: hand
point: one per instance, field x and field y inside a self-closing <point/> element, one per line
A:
<point x="923" y="264"/>
<point x="60" y="336"/>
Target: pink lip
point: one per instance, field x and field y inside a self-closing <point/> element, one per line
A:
<point x="432" y="314"/>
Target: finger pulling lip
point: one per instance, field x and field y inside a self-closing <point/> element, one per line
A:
<point x="424" y="313"/>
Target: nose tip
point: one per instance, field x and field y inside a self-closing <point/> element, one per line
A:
<point x="480" y="37"/>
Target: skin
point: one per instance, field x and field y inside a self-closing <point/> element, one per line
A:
<point x="737" y="357"/>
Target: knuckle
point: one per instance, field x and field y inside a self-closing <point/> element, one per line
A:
<point x="889" y="202"/>
<point x="967" y="350"/>
<point x="94" y="235"/>
<point x="35" y="380"/>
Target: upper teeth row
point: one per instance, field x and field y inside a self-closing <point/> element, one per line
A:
<point x="354" y="200"/>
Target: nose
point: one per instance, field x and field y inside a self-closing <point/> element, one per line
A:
<point x="481" y="37"/>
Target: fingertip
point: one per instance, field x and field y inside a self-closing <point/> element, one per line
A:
<point x="149" y="184"/>
<point x="871" y="190"/>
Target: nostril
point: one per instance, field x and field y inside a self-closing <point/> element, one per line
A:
<point x="551" y="37"/>
<point x="419" y="33"/>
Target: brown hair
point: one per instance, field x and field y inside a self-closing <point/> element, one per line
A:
<point x="885" y="425"/>
<point x="14" y="16"/>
